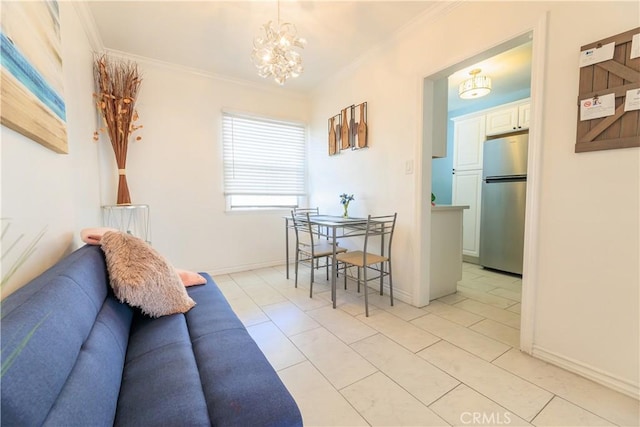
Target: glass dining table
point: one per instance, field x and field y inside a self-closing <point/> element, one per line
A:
<point x="332" y="227"/>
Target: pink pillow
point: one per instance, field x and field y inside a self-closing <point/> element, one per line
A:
<point x="92" y="236"/>
<point x="190" y="278"/>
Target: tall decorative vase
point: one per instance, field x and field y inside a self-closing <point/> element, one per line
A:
<point x="117" y="85"/>
<point x="345" y="213"/>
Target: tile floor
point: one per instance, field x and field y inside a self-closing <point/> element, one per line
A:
<point x="454" y="362"/>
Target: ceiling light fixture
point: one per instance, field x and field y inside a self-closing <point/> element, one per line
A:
<point x="475" y="87"/>
<point x="273" y="52"/>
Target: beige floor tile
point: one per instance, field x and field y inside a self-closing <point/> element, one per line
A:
<point x="347" y="302"/>
<point x="341" y="324"/>
<point x="490" y="312"/>
<point x="289" y="318"/>
<point x="263" y="294"/>
<point x="220" y="278"/>
<point x="247" y="310"/>
<point x="602" y="401"/>
<point x="382" y="402"/>
<point x="485" y="298"/>
<point x="230" y="290"/>
<point x="300" y="297"/>
<point x="280" y="352"/>
<point x="399" y="309"/>
<point x="246" y="278"/>
<point x="454" y="314"/>
<point x="319" y="402"/>
<point x="452" y="299"/>
<point x="464" y="406"/>
<point x="473" y="342"/>
<point x="516" y="308"/>
<point x="507" y="293"/>
<point x="498" y="278"/>
<point x="511" y="286"/>
<point x="560" y="413"/>
<point x="477" y="284"/>
<point x="509" y="391"/>
<point x="423" y="380"/>
<point x="340" y="364"/>
<point x="498" y="331"/>
<point x="405" y="334"/>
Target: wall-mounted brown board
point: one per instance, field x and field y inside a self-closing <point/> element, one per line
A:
<point x="614" y="76"/>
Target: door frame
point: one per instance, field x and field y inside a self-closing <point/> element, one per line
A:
<point x="534" y="183"/>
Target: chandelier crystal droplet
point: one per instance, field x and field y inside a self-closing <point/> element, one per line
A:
<point x="273" y="52"/>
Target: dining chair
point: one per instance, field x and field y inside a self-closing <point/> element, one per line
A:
<point x="302" y="211"/>
<point x="309" y="248"/>
<point x="370" y="259"/>
<point x="310" y="211"/>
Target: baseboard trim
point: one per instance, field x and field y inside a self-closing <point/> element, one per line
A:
<point x="597" y="375"/>
<point x="243" y="267"/>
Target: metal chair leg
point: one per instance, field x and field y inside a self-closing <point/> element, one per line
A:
<point x="390" y="284"/>
<point x="297" y="258"/>
<point x="381" y="277"/>
<point x="311" y="282"/>
<point x="366" y="294"/>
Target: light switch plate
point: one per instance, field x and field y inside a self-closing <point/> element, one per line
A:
<point x="408" y="167"/>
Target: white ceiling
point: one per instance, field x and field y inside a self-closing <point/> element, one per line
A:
<point x="216" y="37"/>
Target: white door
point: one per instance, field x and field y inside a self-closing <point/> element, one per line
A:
<point x="467" y="189"/>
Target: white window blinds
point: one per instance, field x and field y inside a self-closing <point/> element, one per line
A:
<point x="263" y="156"/>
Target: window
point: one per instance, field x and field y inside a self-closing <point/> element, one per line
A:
<point x="264" y="162"/>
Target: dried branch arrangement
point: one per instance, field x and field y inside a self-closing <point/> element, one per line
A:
<point x="117" y="85"/>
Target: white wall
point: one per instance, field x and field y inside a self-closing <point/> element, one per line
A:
<point x="42" y="189"/>
<point x="586" y="313"/>
<point x="177" y="169"/>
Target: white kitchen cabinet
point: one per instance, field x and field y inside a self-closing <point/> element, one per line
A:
<point x="467" y="190"/>
<point x="513" y="118"/>
<point x="468" y="136"/>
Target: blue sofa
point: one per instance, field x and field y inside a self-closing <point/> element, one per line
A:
<point x="73" y="355"/>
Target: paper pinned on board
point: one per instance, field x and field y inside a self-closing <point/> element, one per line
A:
<point x="598" y="106"/>
<point x="597" y="54"/>
<point x="632" y="100"/>
<point x="635" y="46"/>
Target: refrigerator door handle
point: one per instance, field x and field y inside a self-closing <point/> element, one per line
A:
<point x="504" y="178"/>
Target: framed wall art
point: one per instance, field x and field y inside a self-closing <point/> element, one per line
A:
<point x="31" y="73"/>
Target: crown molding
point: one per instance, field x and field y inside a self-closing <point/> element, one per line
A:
<point x="202" y="73"/>
<point x="89" y="26"/>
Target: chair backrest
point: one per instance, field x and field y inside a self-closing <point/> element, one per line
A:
<point x="302" y="211"/>
<point x="311" y="211"/>
<point x="302" y="227"/>
<point x="382" y="226"/>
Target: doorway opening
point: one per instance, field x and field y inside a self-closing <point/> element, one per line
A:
<point x="437" y="112"/>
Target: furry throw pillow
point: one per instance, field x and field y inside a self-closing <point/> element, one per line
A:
<point x="143" y="278"/>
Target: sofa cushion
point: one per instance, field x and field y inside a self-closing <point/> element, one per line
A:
<point x="56" y="315"/>
<point x="141" y="277"/>
<point x="240" y="386"/>
<point x="161" y="384"/>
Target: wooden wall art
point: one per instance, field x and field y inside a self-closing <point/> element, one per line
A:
<point x="348" y="129"/>
<point x="609" y="93"/>
<point x="334" y="133"/>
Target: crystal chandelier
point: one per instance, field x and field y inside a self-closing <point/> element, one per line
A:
<point x="475" y="87"/>
<point x="273" y="52"/>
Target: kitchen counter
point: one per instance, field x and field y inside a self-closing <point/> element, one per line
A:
<point x="446" y="249"/>
<point x="448" y="207"/>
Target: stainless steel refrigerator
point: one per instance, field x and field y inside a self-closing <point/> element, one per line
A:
<point x="504" y="188"/>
